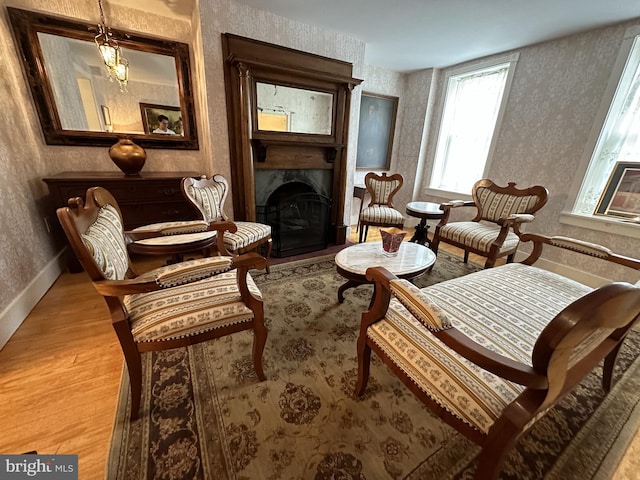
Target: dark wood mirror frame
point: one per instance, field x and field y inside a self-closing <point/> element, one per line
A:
<point x="250" y="61"/>
<point x="27" y="24"/>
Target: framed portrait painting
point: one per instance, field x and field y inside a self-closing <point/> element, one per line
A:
<point x="153" y="115"/>
<point x="621" y="197"/>
<point x="375" y="133"/>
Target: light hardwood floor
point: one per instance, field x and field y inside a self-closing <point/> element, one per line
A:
<point x="60" y="375"/>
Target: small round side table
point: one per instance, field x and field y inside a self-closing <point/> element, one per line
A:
<point x="424" y="211"/>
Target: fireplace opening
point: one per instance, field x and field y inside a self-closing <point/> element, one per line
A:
<point x="300" y="219"/>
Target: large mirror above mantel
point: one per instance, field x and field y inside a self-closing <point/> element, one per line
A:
<point x="78" y="104"/>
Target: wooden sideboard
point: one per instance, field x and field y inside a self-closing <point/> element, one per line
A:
<point x="145" y="198"/>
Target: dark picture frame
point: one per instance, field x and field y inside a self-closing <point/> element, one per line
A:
<point x="150" y="114"/>
<point x="375" y="132"/>
<point x="621" y="197"/>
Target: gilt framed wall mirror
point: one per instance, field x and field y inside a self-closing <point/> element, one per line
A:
<point x="76" y="101"/>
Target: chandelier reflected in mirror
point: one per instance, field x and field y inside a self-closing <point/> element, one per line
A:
<point x="111" y="53"/>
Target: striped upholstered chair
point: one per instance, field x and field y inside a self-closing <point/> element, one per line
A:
<point x="380" y="211"/>
<point x="495" y="230"/>
<point x="208" y="196"/>
<point x="173" y="306"/>
<point x="491" y="352"/>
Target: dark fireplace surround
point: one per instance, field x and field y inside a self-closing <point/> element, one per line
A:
<point x="310" y="167"/>
<point x="297" y="205"/>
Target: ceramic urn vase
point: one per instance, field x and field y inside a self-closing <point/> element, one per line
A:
<point x="128" y="156"/>
<point x="391" y="241"/>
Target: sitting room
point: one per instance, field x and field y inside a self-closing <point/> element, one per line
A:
<point x="274" y="101"/>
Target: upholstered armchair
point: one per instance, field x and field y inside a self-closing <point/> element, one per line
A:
<point x="494" y="231"/>
<point x="208" y="196"/>
<point x="491" y="352"/>
<point x="173" y="306"/>
<point x="380" y="211"/>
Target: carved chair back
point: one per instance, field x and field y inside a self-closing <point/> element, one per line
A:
<point x="207" y="195"/>
<point x="382" y="188"/>
<point x="96" y="235"/>
<point x="495" y="202"/>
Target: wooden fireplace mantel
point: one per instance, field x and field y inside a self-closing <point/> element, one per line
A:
<point x="249" y="61"/>
<point x="262" y="148"/>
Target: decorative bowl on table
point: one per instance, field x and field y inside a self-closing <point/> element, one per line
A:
<point x="391" y="240"/>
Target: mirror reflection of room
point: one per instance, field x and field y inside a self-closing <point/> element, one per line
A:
<point x="295" y="110"/>
<point x="84" y="92"/>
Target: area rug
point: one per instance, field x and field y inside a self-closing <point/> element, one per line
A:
<point x="205" y="415"/>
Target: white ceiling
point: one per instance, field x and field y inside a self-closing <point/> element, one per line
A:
<point x="407" y="35"/>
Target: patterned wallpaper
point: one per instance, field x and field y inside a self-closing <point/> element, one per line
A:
<point x="26" y="247"/>
<point x="225" y="16"/>
<point x="405" y="143"/>
<point x="550" y="113"/>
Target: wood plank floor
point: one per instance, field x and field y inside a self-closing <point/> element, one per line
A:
<point x="60" y="375"/>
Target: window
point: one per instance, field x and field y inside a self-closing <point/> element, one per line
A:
<point x="619" y="139"/>
<point x="473" y="105"/>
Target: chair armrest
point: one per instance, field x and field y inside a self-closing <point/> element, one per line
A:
<point x="447" y="206"/>
<point x="579" y="246"/>
<point x="243" y="263"/>
<point x="455" y="339"/>
<point x="456" y="204"/>
<point x="167" y="277"/>
<point x="117" y="288"/>
<point x="427" y="312"/>
<point x="517" y="218"/>
<point x="191" y="271"/>
<point x="221" y="227"/>
<point x="249" y="260"/>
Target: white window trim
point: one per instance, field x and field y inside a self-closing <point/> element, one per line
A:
<point x="512" y="59"/>
<point x="602" y="224"/>
<point x="594" y="222"/>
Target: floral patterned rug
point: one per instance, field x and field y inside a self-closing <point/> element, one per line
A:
<point x="205" y="415"/>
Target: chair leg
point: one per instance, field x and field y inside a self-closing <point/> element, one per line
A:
<point x="490" y="263"/>
<point x="361" y="234"/>
<point x="269" y="246"/>
<point x="364" y="363"/>
<point x="259" y="341"/>
<point x="510" y="258"/>
<point x="435" y="243"/>
<point x="466" y="256"/>
<point x="494" y="452"/>
<point x="366" y="232"/>
<point x="608" y="368"/>
<point x="134" y="365"/>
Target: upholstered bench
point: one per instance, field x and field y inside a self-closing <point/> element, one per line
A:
<point x="492" y="351"/>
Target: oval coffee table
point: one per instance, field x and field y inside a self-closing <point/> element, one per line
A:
<point x="352" y="262"/>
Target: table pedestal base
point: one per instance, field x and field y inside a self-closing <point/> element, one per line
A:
<point x="420" y="235"/>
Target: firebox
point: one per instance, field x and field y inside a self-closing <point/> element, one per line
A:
<point x="299" y="218"/>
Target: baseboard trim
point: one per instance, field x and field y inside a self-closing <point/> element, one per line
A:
<point x="13" y="316"/>
<point x="585" y="278"/>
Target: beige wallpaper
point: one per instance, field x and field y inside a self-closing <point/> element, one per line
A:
<point x="551" y="109"/>
<point x="225" y="16"/>
<point x="26" y="247"/>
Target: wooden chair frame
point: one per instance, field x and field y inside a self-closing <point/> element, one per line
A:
<point x="364" y="225"/>
<point x="512" y="222"/>
<point x="202" y="182"/>
<point x="78" y="217"/>
<point x="615" y="306"/>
